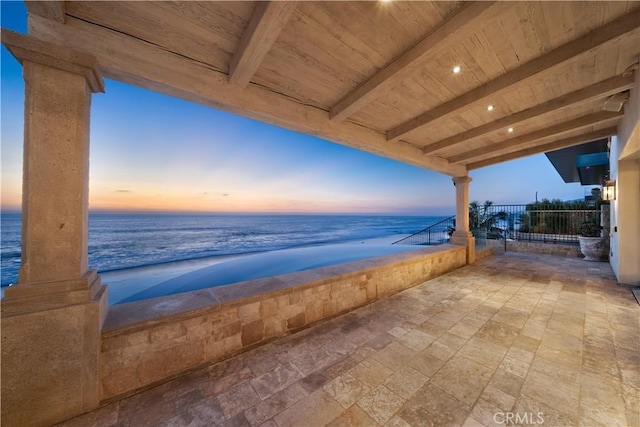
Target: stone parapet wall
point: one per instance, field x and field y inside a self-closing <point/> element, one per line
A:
<point x="150" y="341"/>
<point x="537" y="248"/>
<point x="484" y="252"/>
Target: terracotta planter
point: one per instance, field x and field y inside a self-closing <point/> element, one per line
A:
<point x="594" y="248"/>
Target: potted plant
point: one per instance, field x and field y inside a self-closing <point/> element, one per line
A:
<point x="482" y="221"/>
<point x="592" y="245"/>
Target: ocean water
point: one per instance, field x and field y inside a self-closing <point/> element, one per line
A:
<point x="120" y="241"/>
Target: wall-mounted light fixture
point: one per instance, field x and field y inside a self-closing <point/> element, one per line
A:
<point x="609" y="190"/>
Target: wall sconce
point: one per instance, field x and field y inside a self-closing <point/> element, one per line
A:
<point x="609" y="190"/>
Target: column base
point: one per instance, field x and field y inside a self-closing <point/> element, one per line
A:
<point x="465" y="239"/>
<point x="50" y="351"/>
<point x="26" y="297"/>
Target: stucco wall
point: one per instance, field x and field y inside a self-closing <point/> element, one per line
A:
<point x="624" y="161"/>
<point x="150" y="341"/>
<point x="628" y="137"/>
<point x="625" y="220"/>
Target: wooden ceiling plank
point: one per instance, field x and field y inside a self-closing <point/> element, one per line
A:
<point x="587" y="94"/>
<point x="454" y="29"/>
<point x="50" y="9"/>
<point x="562" y="54"/>
<point x="544" y="148"/>
<point x="160" y="24"/>
<point x="176" y="75"/>
<point x="571" y="125"/>
<point x="268" y="19"/>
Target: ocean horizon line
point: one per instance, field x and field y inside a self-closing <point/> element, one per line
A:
<point x="240" y="213"/>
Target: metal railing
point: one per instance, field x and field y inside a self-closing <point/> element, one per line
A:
<point x="541" y="222"/>
<point x="535" y="222"/>
<point x="435" y="234"/>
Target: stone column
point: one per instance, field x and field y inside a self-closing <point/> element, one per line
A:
<point x="462" y="235"/>
<point x="52" y="319"/>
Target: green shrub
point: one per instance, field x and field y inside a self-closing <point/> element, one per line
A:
<point x="590" y="229"/>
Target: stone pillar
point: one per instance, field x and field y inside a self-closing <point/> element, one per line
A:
<point x="52" y="319"/>
<point x="462" y="235"/>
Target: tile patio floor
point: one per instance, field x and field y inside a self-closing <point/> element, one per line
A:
<point x="514" y="333"/>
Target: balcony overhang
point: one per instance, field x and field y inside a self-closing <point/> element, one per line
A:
<point x="587" y="164"/>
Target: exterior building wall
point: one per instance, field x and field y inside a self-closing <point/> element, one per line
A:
<point x="625" y="221"/>
<point x="629" y="127"/>
<point x="625" y="210"/>
<point x="139" y="353"/>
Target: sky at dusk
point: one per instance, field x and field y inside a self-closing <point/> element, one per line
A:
<point x="153" y="152"/>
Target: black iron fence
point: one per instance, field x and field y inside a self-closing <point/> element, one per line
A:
<point x="435" y="234"/>
<point x="546" y="223"/>
<point x="553" y="224"/>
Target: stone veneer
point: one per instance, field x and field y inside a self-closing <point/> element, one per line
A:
<point x="537" y="248"/>
<point x="150" y="341"/>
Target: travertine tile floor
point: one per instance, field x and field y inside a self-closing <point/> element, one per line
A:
<point x="516" y="339"/>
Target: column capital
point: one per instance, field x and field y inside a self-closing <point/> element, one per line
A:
<point x="461" y="180"/>
<point x="31" y="49"/>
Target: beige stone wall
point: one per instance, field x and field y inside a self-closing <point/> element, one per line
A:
<point x="484" y="252"/>
<point x="139" y="350"/>
<point x="537" y="248"/>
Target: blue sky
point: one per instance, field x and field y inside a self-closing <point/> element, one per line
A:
<point x="153" y="152"/>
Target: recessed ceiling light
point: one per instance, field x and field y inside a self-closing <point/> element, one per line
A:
<point x="456" y="69"/>
<point x="510" y="130"/>
<point x="490" y="107"/>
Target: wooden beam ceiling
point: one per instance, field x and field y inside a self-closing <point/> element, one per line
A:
<point x="587" y="94"/>
<point x="562" y="54"/>
<point x="176" y="75"/>
<point x="268" y="19"/>
<point x="464" y="22"/>
<point x="571" y="125"/>
<point x="50" y="9"/>
<point x="545" y="148"/>
<point x="198" y="66"/>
